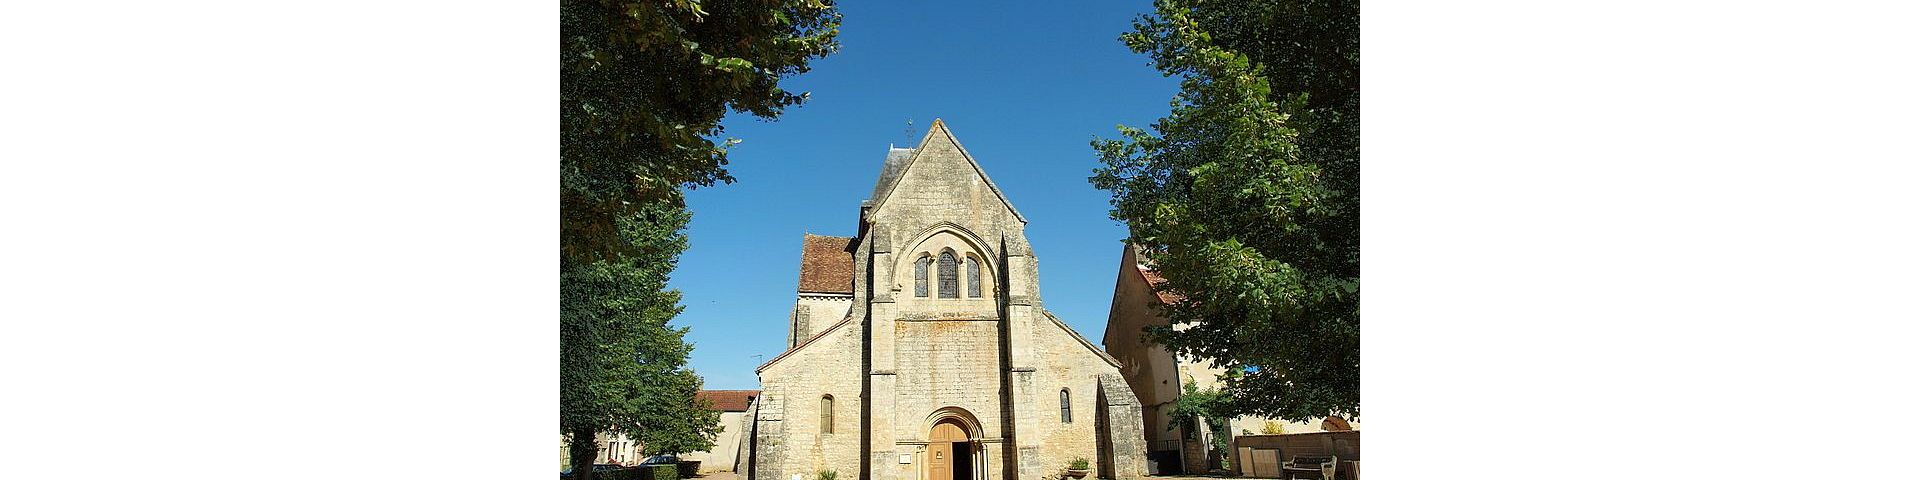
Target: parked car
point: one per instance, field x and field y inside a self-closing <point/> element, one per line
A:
<point x="660" y="460"/>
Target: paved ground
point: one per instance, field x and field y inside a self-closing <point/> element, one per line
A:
<point x="718" y="476"/>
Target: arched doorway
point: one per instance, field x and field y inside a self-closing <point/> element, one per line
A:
<point x="950" y="454"/>
<point x="956" y="448"/>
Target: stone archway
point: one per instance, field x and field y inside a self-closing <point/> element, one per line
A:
<point x="950" y="452"/>
<point x="953" y="446"/>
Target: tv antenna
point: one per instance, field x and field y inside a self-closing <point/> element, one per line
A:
<point x="909" y="130"/>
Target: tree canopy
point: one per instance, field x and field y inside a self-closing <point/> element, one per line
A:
<point x="1196" y="405"/>
<point x="643" y="87"/>
<point x="622" y="367"/>
<point x="1246" y="197"/>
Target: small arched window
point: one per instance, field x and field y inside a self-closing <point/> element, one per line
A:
<point x="1066" y="406"/>
<point x="973" y="277"/>
<point x="949" y="276"/>
<point x="826" y="414"/>
<point x="920" y="276"/>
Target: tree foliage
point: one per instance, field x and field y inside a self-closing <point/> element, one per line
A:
<point x="1195" y="405"/>
<point x="643" y="87"/>
<point x="1247" y="196"/>
<point x="622" y="367"/>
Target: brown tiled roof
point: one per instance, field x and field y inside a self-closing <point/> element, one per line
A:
<point x="729" y="400"/>
<point x="1153" y="280"/>
<point x="1335" y="424"/>
<point x="826" y="264"/>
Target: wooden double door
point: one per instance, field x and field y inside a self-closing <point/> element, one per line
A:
<point x="950" y="454"/>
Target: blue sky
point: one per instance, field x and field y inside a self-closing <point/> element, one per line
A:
<point x="1024" y="86"/>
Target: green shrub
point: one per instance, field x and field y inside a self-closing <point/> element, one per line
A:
<point x="657" y="472"/>
<point x="828" y="474"/>
<point x="1078" y="464"/>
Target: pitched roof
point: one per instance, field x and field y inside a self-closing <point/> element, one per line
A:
<point x="729" y="400"/>
<point x="890" y="170"/>
<point x="1083" y="340"/>
<point x="804" y="343"/>
<point x="1154" y="280"/>
<point x="890" y="175"/>
<point x="826" y="264"/>
<point x="1335" y="424"/>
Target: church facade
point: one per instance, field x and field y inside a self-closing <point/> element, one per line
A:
<point x="919" y="349"/>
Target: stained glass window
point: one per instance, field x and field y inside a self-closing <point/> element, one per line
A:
<point x="973" y="277"/>
<point x="920" y="276"/>
<point x="949" y="276"/>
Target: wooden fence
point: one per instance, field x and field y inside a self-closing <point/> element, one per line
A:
<point x="1260" y="456"/>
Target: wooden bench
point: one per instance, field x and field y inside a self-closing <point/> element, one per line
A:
<point x="1309" y="466"/>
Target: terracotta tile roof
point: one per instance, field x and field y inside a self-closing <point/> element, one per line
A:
<point x="1335" y="424"/>
<point x="826" y="264"/>
<point x="1154" y="279"/>
<point x="729" y="400"/>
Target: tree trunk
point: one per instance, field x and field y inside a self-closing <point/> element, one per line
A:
<point x="581" y="453"/>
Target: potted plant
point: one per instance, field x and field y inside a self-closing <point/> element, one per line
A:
<point x="1077" y="468"/>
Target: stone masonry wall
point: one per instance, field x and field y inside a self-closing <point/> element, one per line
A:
<point x="791" y="391"/>
<point x="942" y="186"/>
<point x="1066" y="363"/>
<point x="1001" y="358"/>
<point x="946" y="363"/>
<point x="816" y="312"/>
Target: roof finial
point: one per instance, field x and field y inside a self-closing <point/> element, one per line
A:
<point x="909" y="130"/>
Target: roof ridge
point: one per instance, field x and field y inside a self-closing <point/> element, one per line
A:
<point x="941" y="127"/>
<point x="1083" y="340"/>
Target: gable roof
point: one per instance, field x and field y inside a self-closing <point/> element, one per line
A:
<point x="1137" y="257"/>
<point x="826" y="264"/>
<point x="1153" y="281"/>
<point x="1083" y="340"/>
<point x="890" y="176"/>
<point x="890" y="170"/>
<point x="729" y="400"/>
<point x="804" y="343"/>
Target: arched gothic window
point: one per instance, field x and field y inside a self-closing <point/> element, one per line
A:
<point x="1066" y="406"/>
<point x="920" y="276"/>
<point x="973" y="277"/>
<point x="949" y="276"/>
<point x="826" y="414"/>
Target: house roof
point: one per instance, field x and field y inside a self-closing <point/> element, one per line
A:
<point x="1154" y="280"/>
<point x="1335" y="424"/>
<point x="826" y="264"/>
<point x="729" y="400"/>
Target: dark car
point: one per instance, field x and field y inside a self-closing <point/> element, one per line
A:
<point x="660" y="460"/>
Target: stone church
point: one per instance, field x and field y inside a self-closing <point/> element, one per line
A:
<point x="919" y="349"/>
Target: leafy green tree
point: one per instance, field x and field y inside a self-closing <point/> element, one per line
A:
<point x="1195" y="405"/>
<point x="622" y="367"/>
<point x="643" y="87"/>
<point x="1247" y="196"/>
